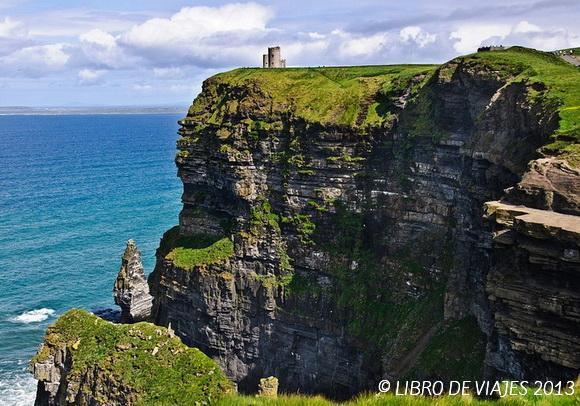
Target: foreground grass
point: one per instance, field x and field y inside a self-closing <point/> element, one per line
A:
<point x="392" y="400"/>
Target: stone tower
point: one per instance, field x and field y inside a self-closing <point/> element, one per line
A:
<point x="273" y="59"/>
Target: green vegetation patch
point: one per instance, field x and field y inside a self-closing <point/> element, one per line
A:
<point x="405" y="400"/>
<point x="363" y="291"/>
<point x="201" y="249"/>
<point x="187" y="252"/>
<point x="262" y="214"/>
<point x="326" y="95"/>
<point x="304" y="226"/>
<point x="143" y="361"/>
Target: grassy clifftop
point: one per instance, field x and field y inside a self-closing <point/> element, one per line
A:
<point x="142" y="362"/>
<point x="362" y="96"/>
<point x="326" y="95"/>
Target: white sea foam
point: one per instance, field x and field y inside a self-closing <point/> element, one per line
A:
<point x="33" y="316"/>
<point x="17" y="389"/>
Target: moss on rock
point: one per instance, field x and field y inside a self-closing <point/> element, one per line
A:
<point x="201" y="252"/>
<point x="142" y="363"/>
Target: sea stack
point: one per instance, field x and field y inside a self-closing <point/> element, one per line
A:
<point x="131" y="291"/>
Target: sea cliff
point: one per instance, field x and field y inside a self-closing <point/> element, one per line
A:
<point x="343" y="225"/>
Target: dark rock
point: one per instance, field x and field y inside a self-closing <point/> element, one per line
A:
<point x="396" y="223"/>
<point x="535" y="293"/>
<point x="112" y="315"/>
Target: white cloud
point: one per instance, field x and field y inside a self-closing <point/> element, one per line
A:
<point x="142" y="87"/>
<point x="304" y="50"/>
<point x="525" y="27"/>
<point x="202" y="40"/>
<point x="183" y="88"/>
<point x="72" y="22"/>
<point x="36" y="60"/>
<point x="202" y="36"/>
<point x="192" y="23"/>
<point x="100" y="38"/>
<point x="89" y="76"/>
<point x="10" y="28"/>
<point x="316" y="35"/>
<point x="361" y="46"/>
<point x="13" y="36"/>
<point x="417" y="35"/>
<point x="542" y="39"/>
<point x="469" y="37"/>
<point x="169" y="73"/>
<point x="101" y="48"/>
<point x="51" y="55"/>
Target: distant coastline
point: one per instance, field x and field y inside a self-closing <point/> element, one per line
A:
<point x="61" y="111"/>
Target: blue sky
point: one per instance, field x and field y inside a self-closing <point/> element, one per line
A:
<point x="92" y="53"/>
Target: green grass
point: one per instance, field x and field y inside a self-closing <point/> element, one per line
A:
<point x="289" y="400"/>
<point x="262" y="215"/>
<point x="333" y="95"/>
<point x="392" y="400"/>
<point x="360" y="96"/>
<point x="187" y="252"/>
<point x="563" y="82"/>
<point x="123" y="357"/>
<point x="200" y="250"/>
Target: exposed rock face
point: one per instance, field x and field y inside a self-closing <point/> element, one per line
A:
<point x="534" y="287"/>
<point x="354" y="244"/>
<point x="48" y="374"/>
<point x="549" y="184"/>
<point x="131" y="291"/>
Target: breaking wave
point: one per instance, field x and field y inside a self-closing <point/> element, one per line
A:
<point x="33" y="316"/>
<point x="17" y="388"/>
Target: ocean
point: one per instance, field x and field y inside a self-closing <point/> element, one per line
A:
<point x="73" y="190"/>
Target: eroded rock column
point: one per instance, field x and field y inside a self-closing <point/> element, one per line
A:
<point x="131" y="291"/>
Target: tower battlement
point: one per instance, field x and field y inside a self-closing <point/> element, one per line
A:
<point x="273" y="59"/>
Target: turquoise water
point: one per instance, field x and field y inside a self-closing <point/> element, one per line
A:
<point x="73" y="189"/>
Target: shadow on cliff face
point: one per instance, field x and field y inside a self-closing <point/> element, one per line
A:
<point x="354" y="251"/>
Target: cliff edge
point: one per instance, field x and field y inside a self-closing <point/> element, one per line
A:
<point x="345" y="225"/>
<point x="344" y="212"/>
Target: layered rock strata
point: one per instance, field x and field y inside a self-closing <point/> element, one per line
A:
<point x="342" y="225"/>
<point x="359" y="236"/>
<point x="534" y="287"/>
<point x="131" y="291"/>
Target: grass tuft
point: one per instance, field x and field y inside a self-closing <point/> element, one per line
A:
<point x="199" y="250"/>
